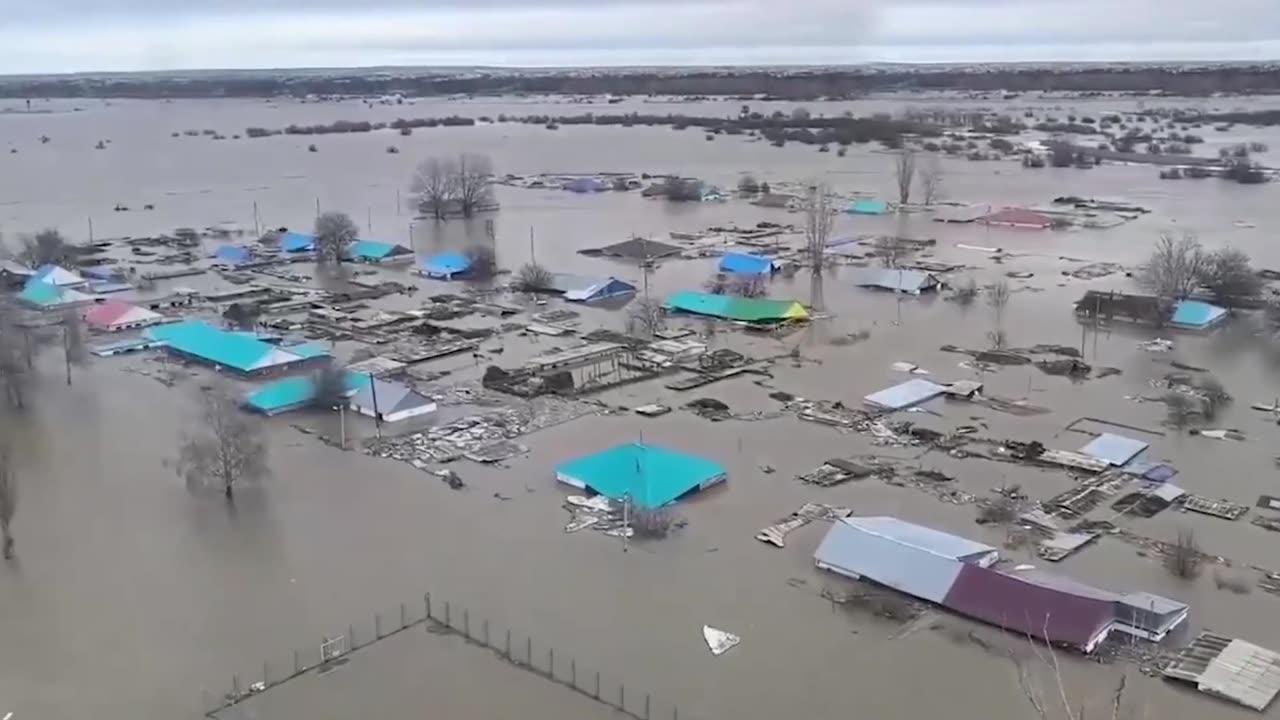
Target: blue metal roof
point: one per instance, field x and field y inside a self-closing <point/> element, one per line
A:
<point x="650" y="476"/>
<point x="746" y="264"/>
<point x="1115" y="449"/>
<point x="898" y="279"/>
<point x="297" y="242"/>
<point x="374" y="250"/>
<point x="446" y="265"/>
<point x="1196" y="315"/>
<point x="887" y="555"/>
<point x="234" y="254"/>
<point x="868" y="207"/>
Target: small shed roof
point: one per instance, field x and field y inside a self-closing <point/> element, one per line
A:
<point x="1114" y="449"/>
<point x="743" y="264"/>
<point x="904" y="395"/>
<point x="297" y="242"/>
<point x="649" y="475"/>
<point x="374" y="250"/>
<point x="1196" y="315"/>
<point x="868" y="206"/>
<point x="116" y="312"/>
<point x="907" y="281"/>
<point x="13" y="267"/>
<point x="446" y="265"/>
<point x="585" y="287"/>
<point x="233" y="254"/>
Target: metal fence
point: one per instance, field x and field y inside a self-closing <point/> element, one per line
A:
<point x="442" y="617"/>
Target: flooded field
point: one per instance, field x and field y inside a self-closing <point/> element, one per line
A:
<point x="131" y="595"/>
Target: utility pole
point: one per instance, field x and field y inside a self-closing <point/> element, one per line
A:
<point x="91" y="229"/>
<point x="532" y="260"/>
<point x="342" y="423"/>
<point x="377" y="416"/>
<point x="369" y="220"/>
<point x="256" y="229"/>
<point x="317" y="206"/>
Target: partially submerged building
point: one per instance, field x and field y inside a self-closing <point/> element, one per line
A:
<point x="116" y="315"/>
<point x="636" y="249"/>
<point x="727" y="307"/>
<point x="911" y="282"/>
<point x="58" y="277"/>
<point x="781" y="201"/>
<point x="233" y="255"/>
<point x="1230" y="669"/>
<point x="646" y="475"/>
<point x="296" y="242"/>
<point x="1108" y="305"/>
<point x="47" y="297"/>
<point x="238" y="352"/>
<point x="294" y="393"/>
<point x="960" y="575"/>
<point x="445" y="265"/>
<point x="14" y="274"/>
<point x="585" y="288"/>
<point x="905" y="395"/>
<point x="744" y="264"/>
<point x="868" y="206"/>
<point x="1018" y="218"/>
<point x="379" y="253"/>
<point x="1196" y="315"/>
<point x="389" y="401"/>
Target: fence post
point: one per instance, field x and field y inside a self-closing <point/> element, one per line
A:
<point x="426" y="600"/>
<point x="573" y="672"/>
<point x="551" y="662"/>
<point x="597" y="684"/>
<point x="377" y="626"/>
<point x="622" y="697"/>
<point x="466" y="623"/>
<point x="675" y="713"/>
<point x="351" y="637"/>
<point x="266" y="673"/>
<point x="646" y="706"/>
<point x="528" y="651"/>
<point x="403" y="616"/>
<point x="446" y="614"/>
<point x="486" y="633"/>
<point x="297" y="663"/>
<point x="508" y="645"/>
<point x="235" y="686"/>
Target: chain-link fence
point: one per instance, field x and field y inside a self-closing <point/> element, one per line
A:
<point x="443" y="617"/>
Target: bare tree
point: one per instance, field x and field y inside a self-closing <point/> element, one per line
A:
<point x="646" y="317"/>
<point x="1230" y="278"/>
<point x="1182" y="556"/>
<point x="46" y="247"/>
<point x="472" y="186"/>
<point x="335" y="231"/>
<point x="998" y="298"/>
<point x="1175" y="268"/>
<point x="1180" y="410"/>
<point x="432" y="186"/>
<point x="74" y="351"/>
<point x="905" y="174"/>
<point x="931" y="179"/>
<point x="890" y="248"/>
<point x="8" y="496"/>
<point x="818" y="221"/>
<point x="532" y="277"/>
<point x="242" y="315"/>
<point x="15" y="358"/>
<point x="484" y="262"/>
<point x="331" y="387"/>
<point x="228" y="448"/>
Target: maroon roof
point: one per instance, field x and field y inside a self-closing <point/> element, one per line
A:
<point x="1019" y="217"/>
<point x="1044" y="613"/>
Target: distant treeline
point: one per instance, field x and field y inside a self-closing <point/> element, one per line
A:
<point x="777" y="129"/>
<point x="797" y="84"/>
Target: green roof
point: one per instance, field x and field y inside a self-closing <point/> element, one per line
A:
<point x="220" y="347"/>
<point x="293" y="393"/>
<point x="650" y="476"/>
<point x="736" y="308"/>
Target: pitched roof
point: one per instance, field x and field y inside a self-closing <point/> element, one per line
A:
<point x="45" y="295"/>
<point x="1018" y="217"/>
<point x="290" y="393"/>
<point x="297" y="242"/>
<point x="1045" y="613"/>
<point x="1114" y="449"/>
<point x="639" y="249"/>
<point x="393" y="397"/>
<point x="744" y="264"/>
<point x="118" y="312"/>
<point x="54" y="275"/>
<point x="375" y="250"/>
<point x="908" y="281"/>
<point x="446" y="264"/>
<point x="13" y="267"/>
<point x="649" y="475"/>
<point x="585" y="287"/>
<point x="867" y="206"/>
<point x="234" y="254"/>
<point x="916" y="564"/>
<point x="1196" y="315"/>
<point x="218" y="346"/>
<point x="735" y="308"/>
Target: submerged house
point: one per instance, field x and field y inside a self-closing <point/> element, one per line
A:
<point x="583" y="288"/>
<point x="292" y="393"/>
<point x="389" y="401"/>
<point x="960" y="575"/>
<point x="238" y="352"/>
<point x="782" y="201"/>
<point x="116" y="315"/>
<point x="1196" y="315"/>
<point x="378" y="253"/>
<point x="743" y="264"/>
<point x="646" y="475"/>
<point x="585" y="185"/>
<point x="14" y="274"/>
<point x="295" y="242"/>
<point x="727" y="307"/>
<point x="58" y="277"/>
<point x="1107" y="306"/>
<point x="868" y="206"/>
<point x="445" y="266"/>
<point x="1018" y="218"/>
<point x="912" y="282"/>
<point x="48" y="297"/>
<point x="233" y="255"/>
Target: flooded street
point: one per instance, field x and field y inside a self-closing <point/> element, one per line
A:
<point x="131" y="595"/>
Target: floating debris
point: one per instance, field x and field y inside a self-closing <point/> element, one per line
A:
<point x="1224" y="509"/>
<point x="719" y="641"/>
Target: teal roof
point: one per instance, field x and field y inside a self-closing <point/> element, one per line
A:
<point x="650" y="476"/>
<point x="221" y="347"/>
<point x="868" y="207"/>
<point x="293" y="393"/>
<point x="1196" y="314"/>
<point x="736" y="308"/>
<point x="40" y="293"/>
<point x="374" y="250"/>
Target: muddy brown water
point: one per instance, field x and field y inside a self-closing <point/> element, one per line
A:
<point x="131" y="594"/>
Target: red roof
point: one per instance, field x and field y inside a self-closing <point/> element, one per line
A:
<point x="109" y="313"/>
<point x="1042" y="612"/>
<point x="1019" y="217"/>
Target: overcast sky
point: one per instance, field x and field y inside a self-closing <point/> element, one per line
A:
<point x="39" y="36"/>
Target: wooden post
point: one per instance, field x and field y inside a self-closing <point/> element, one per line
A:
<point x="297" y="663"/>
<point x="351" y="637"/>
<point x="508" y="645"/>
<point x="446" y="613"/>
<point x="235" y="686"/>
<point x="404" y="616"/>
<point x="573" y="672"/>
<point x="377" y="626"/>
<point x="622" y="697"/>
<point x="486" y="633"/>
<point x="266" y="673"/>
<point x="528" y="651"/>
<point x="466" y="623"/>
<point x="646" y="706"/>
<point x="551" y="662"/>
<point x="426" y="600"/>
<point x="597" y="684"/>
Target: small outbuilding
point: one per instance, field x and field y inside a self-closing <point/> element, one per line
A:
<point x="744" y="264"/>
<point x="585" y="185"/>
<point x="583" y="288"/>
<point x="1018" y="218"/>
<point x="45" y="296"/>
<point x="233" y="255"/>
<point x="647" y="475"/>
<point x="445" y="266"/>
<point x="912" y="282"/>
<point x="58" y="277"/>
<point x="1196" y="315"/>
<point x="389" y="401"/>
<point x="868" y="206"/>
<point x="378" y="253"/>
<point x="295" y="242"/>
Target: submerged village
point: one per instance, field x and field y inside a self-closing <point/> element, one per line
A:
<point x="888" y="400"/>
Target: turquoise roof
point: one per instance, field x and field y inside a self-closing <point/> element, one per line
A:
<point x="650" y="476"/>
<point x="1196" y="314"/>
<point x="375" y="250"/>
<point x="293" y="393"/>
<point x="221" y="347"/>
<point x="38" y="292"/>
<point x="868" y="207"/>
<point x="297" y="242"/>
<point x="446" y="265"/>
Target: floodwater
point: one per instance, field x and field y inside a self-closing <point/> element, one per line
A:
<point x="131" y="595"/>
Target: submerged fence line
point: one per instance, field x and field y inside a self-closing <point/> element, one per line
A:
<point x="444" y="619"/>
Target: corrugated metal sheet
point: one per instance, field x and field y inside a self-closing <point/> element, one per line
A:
<point x="921" y="537"/>
<point x="743" y="264"/>
<point x="1114" y="449"/>
<point x="899" y="280"/>
<point x="735" y="308"/>
<point x="858" y="553"/>
<point x="1243" y="673"/>
<point x="911" y="392"/>
<point x="650" y="476"/>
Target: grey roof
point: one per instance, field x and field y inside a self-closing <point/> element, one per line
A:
<point x="1115" y="449"/>
<point x="855" y="552"/>
<point x="1232" y="669"/>
<point x="13" y="267"/>
<point x="908" y="281"/>
<point x="1150" y="602"/>
<point x="392" y="397"/>
<point x="920" y="537"/>
<point x="566" y="282"/>
<point x="911" y="392"/>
